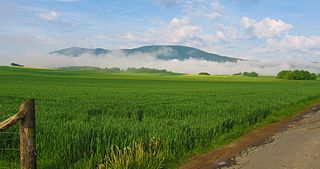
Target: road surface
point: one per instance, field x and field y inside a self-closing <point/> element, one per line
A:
<point x="292" y="143"/>
<point x="296" y="148"/>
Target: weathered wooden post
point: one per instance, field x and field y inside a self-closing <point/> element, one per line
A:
<point x="28" y="156"/>
<point x="27" y="118"/>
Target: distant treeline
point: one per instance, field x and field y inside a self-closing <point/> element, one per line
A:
<point x="249" y="74"/>
<point x="117" y="70"/>
<point x="296" y="75"/>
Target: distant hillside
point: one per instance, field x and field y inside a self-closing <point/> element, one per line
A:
<point x="163" y="52"/>
<point x="76" y="51"/>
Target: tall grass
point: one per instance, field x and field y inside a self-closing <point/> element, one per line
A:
<point x="149" y="156"/>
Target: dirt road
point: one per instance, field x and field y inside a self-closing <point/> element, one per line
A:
<point x="296" y="148"/>
<point x="293" y="143"/>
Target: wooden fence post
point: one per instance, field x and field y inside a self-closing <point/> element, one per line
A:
<point x="28" y="156"/>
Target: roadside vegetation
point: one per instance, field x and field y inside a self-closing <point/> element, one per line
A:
<point x="96" y="119"/>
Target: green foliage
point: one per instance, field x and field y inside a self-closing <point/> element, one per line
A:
<point x="296" y="75"/>
<point x="85" y="117"/>
<point x="250" y="74"/>
<point x="204" y="73"/>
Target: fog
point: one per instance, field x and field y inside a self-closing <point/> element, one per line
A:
<point x="119" y="59"/>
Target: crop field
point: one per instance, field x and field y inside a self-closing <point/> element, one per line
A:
<point x="124" y="120"/>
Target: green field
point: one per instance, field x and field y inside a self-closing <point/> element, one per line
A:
<point x="81" y="116"/>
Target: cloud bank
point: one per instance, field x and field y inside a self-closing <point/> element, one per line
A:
<point x="193" y="66"/>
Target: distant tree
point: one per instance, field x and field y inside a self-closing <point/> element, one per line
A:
<point x="296" y="75"/>
<point x="204" y="73"/>
<point x="282" y="74"/>
<point x="250" y="74"/>
<point x="16" y="65"/>
<point x="313" y="76"/>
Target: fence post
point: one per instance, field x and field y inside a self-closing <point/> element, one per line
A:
<point x="28" y="154"/>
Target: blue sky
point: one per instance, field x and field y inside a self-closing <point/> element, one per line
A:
<point x="253" y="29"/>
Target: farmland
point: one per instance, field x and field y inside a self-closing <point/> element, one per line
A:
<point x="84" y="116"/>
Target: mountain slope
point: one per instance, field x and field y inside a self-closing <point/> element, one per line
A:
<point x="76" y="51"/>
<point x="163" y="52"/>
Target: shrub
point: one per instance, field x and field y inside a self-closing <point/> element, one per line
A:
<point x="204" y="73"/>
<point x="16" y="65"/>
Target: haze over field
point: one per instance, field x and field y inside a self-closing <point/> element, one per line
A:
<point x="271" y="35"/>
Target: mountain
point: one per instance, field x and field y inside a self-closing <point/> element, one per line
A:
<point x="76" y="51"/>
<point x="163" y="52"/>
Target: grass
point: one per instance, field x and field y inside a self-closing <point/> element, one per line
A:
<point x="88" y="118"/>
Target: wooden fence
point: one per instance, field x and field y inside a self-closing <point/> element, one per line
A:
<point x="27" y="120"/>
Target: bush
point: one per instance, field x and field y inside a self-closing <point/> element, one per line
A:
<point x="250" y="74"/>
<point x="204" y="73"/>
<point x="16" y="65"/>
<point x="296" y="75"/>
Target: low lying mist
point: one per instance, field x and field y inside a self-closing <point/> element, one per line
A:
<point x="119" y="59"/>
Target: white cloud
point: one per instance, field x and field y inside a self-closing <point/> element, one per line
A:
<point x="184" y="33"/>
<point x="266" y="28"/>
<point x="216" y="5"/>
<point x="63" y="0"/>
<point x="213" y="15"/>
<point x="291" y="46"/>
<point x="204" y="9"/>
<point x="291" y="42"/>
<point x="49" y="16"/>
<point x="59" y="18"/>
<point x="176" y="22"/>
<point x="176" y="31"/>
<point x="168" y="3"/>
<point x="226" y="34"/>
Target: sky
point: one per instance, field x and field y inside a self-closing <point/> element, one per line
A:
<point x="267" y="30"/>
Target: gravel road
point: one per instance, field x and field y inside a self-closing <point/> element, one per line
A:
<point x="298" y="147"/>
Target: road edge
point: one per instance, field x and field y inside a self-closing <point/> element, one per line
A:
<point x="224" y="156"/>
